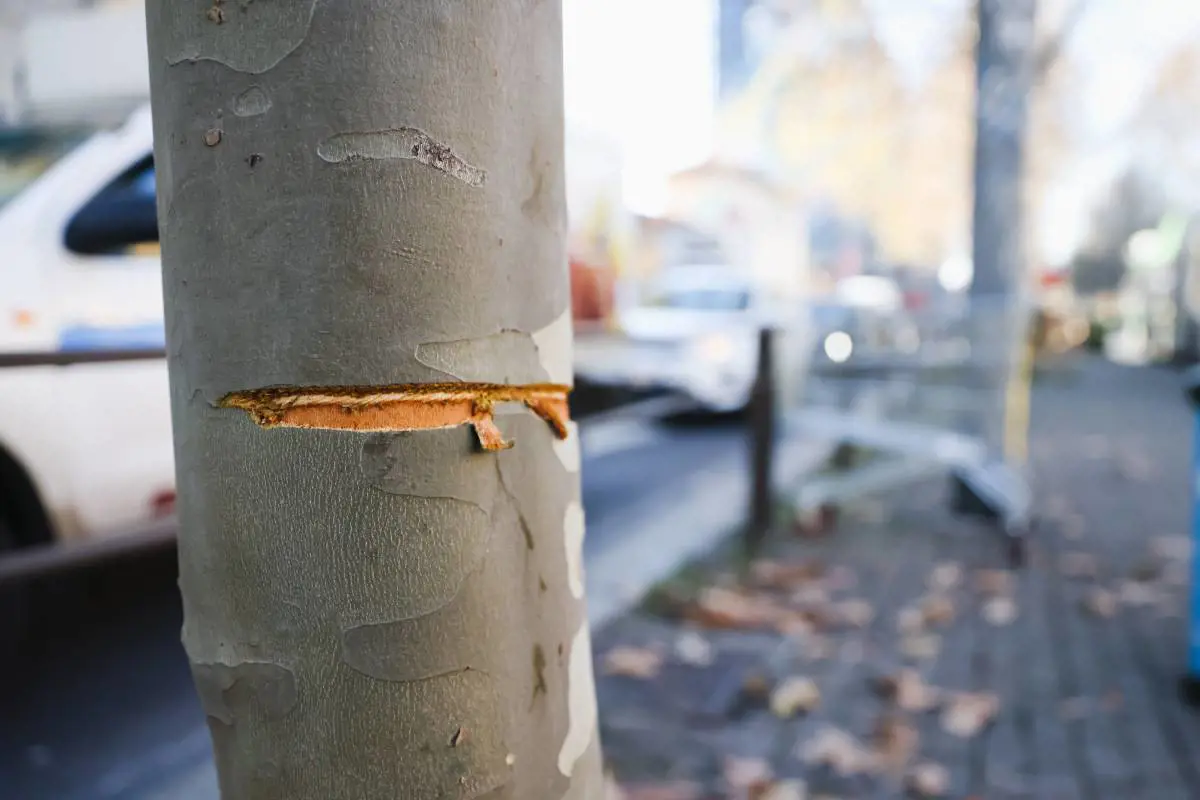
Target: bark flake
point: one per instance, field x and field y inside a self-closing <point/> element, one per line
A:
<point x="400" y="143"/>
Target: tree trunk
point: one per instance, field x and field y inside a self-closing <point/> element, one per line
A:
<point x="362" y="214"/>
<point x="1005" y="68"/>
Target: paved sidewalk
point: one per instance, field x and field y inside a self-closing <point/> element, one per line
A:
<point x="911" y="660"/>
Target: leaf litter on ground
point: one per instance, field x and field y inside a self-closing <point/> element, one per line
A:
<point x="928" y="779"/>
<point x="1000" y="611"/>
<point x="835" y="748"/>
<point x="908" y="691"/>
<point x="967" y="713"/>
<point x="794" y="695"/>
<point x="694" y="650"/>
<point x="633" y="662"/>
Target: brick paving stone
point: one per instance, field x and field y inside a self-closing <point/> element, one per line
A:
<point x="1088" y="706"/>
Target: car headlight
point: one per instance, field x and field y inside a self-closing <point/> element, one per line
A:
<point x="838" y="347"/>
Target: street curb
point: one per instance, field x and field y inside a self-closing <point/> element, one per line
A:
<point x="664" y="537"/>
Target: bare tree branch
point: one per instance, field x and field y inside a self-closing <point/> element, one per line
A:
<point x="1051" y="50"/>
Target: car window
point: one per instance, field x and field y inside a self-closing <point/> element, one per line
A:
<point x="705" y="299"/>
<point x="120" y="218"/>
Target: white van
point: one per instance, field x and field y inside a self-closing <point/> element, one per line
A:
<point x="694" y="333"/>
<point x="85" y="447"/>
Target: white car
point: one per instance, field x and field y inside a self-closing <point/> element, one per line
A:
<point x="695" y="334"/>
<point x="85" y="448"/>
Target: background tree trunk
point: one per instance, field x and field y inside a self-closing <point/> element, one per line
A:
<point x="356" y="196"/>
<point x="1005" y="63"/>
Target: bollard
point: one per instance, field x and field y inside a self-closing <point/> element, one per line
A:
<point x="1191" y="678"/>
<point x="762" y="442"/>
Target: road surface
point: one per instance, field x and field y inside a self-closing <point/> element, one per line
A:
<point x="101" y="705"/>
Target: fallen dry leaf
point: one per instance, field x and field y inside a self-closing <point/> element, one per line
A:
<point x="810" y="596"/>
<point x="910" y="620"/>
<point x="855" y="613"/>
<point x="719" y="607"/>
<point x="776" y="575"/>
<point x="991" y="582"/>
<point x="908" y="691"/>
<point x="945" y="576"/>
<point x="937" y="610"/>
<point x="694" y="650"/>
<point x="834" y="748"/>
<point x="794" y="695"/>
<point x="1100" y="603"/>
<point x="966" y="713"/>
<point x="1079" y="565"/>
<point x="1137" y="594"/>
<point x="796" y="624"/>
<point x="1000" y="611"/>
<point x="921" y="647"/>
<point x="928" y="779"/>
<point x="1171" y="548"/>
<point x="793" y="789"/>
<point x="746" y="773"/>
<point x="633" y="662"/>
<point x="895" y="743"/>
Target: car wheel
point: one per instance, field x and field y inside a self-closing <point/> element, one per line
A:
<point x="14" y="599"/>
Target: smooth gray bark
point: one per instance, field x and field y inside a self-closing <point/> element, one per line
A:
<point x="365" y="194"/>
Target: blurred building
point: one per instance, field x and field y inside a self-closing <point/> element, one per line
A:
<point x="759" y="223"/>
<point x="71" y="62"/>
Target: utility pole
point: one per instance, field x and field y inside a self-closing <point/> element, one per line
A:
<point x="369" y="336"/>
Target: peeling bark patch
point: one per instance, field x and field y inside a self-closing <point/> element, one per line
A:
<point x="581" y="702"/>
<point x="247" y="37"/>
<point x="507" y="356"/>
<point x="573" y="536"/>
<point x="403" y="407"/>
<point x="251" y="103"/>
<point x="554" y="348"/>
<point x="228" y="691"/>
<point x="404" y="142"/>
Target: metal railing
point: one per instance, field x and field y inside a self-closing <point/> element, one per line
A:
<point x="945" y="400"/>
